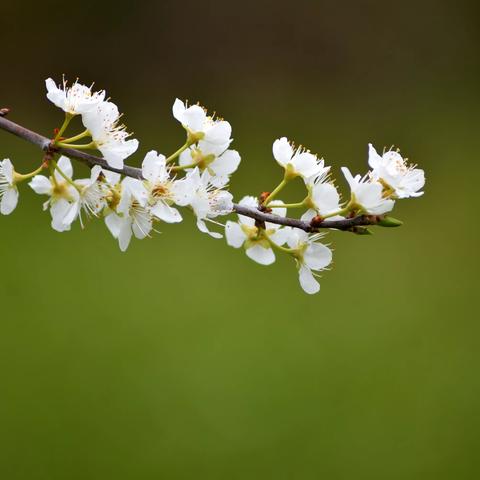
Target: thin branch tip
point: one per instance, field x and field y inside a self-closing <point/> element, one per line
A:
<point x="260" y="214"/>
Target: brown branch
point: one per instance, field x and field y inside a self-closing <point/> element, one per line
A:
<point x="45" y="144"/>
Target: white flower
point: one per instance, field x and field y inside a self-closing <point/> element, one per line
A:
<point x="91" y="198"/>
<point x="109" y="137"/>
<point x="214" y="134"/>
<point x="131" y="214"/>
<point x="207" y="201"/>
<point x="75" y="100"/>
<point x="8" y="189"/>
<point x="391" y="169"/>
<point x="310" y="255"/>
<point x="324" y="199"/>
<point x="62" y="193"/>
<point x="159" y="186"/>
<point x="368" y="194"/>
<point x="220" y="166"/>
<point x="297" y="163"/>
<point x="255" y="241"/>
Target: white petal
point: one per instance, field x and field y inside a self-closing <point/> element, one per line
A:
<point x="234" y="234"/>
<point x="9" y="201"/>
<point x="317" y="256"/>
<point x="250" y="202"/>
<point x="125" y="234"/>
<point x="152" y="165"/>
<point x="296" y="237"/>
<point x="349" y="177"/>
<point x="178" y="109"/>
<point x="65" y="165"/>
<point x="114" y="224"/>
<point x="306" y="164"/>
<point x="226" y="164"/>
<point x="307" y="281"/>
<point x="282" y="151"/>
<point x="219" y="133"/>
<point x="71" y="214"/>
<point x="137" y="189"/>
<point x="193" y="118"/>
<point x="117" y="152"/>
<point x="263" y="256"/>
<point x="326" y="198"/>
<point x="185" y="157"/>
<point x="204" y="229"/>
<point x="56" y="95"/>
<point x="281" y="235"/>
<point x="41" y="185"/>
<point x="58" y="210"/>
<point x="385" y="207"/>
<point x="413" y="181"/>
<point x="374" y="159"/>
<point x="182" y="191"/>
<point x="7" y="170"/>
<point x="166" y="213"/>
<point x="219" y="181"/>
<point x="142" y="225"/>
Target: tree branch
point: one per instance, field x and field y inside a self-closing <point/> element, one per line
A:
<point x="45" y="144"/>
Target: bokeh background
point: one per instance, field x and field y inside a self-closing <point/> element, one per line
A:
<point x="183" y="359"/>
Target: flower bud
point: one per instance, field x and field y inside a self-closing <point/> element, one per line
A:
<point x="387" y="221"/>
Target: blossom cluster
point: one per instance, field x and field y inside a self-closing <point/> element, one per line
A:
<point x="197" y="177"/>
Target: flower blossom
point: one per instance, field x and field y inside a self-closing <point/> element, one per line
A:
<point x="61" y="192"/>
<point x="207" y="200"/>
<point x="75" y="100"/>
<point x="8" y="189"/>
<point x="213" y="134"/>
<point x="323" y="198"/>
<point x="297" y="163"/>
<point x="310" y="255"/>
<point x="393" y="171"/>
<point x="108" y="136"/>
<point x="367" y="194"/>
<point x="131" y="215"/>
<point x="90" y="198"/>
<point x="160" y="188"/>
<point x="255" y="241"/>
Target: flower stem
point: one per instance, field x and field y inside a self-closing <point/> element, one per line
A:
<point x="178" y="168"/>
<point x="84" y="134"/>
<point x="287" y="205"/>
<point x="87" y="146"/>
<point x="278" y="247"/>
<point x="19" y="177"/>
<point x="65" y="176"/>
<point x="52" y="172"/>
<point x="173" y="156"/>
<point x="68" y="119"/>
<point x="277" y="190"/>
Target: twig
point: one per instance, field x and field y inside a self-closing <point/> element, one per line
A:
<point x="349" y="224"/>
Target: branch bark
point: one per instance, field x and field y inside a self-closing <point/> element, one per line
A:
<point x="45" y="144"/>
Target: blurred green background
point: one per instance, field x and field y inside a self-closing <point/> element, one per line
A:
<point x="183" y="359"/>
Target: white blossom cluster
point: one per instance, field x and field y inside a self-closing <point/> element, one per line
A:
<point x="197" y="176"/>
